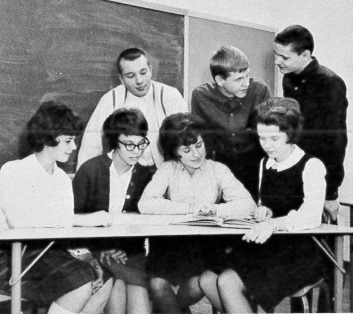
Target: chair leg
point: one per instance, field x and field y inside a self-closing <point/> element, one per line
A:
<point x="305" y="302"/>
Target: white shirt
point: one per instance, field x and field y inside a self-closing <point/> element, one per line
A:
<point x="160" y="101"/>
<point x="309" y="214"/>
<point x="31" y="197"/>
<point x="118" y="188"/>
<point x="172" y="190"/>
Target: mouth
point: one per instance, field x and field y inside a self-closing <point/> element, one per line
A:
<point x="141" y="88"/>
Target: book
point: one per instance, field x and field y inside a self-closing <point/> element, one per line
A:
<point x="224" y="222"/>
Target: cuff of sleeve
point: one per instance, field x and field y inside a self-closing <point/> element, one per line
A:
<point x="331" y="195"/>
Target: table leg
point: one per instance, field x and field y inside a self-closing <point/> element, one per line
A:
<point x="351" y="261"/>
<point x="16" y="272"/>
<point x="338" y="291"/>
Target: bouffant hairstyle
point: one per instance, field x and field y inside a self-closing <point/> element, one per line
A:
<point x="228" y="59"/>
<point x="51" y="120"/>
<point x="298" y="36"/>
<point x="178" y="129"/>
<point x="283" y="112"/>
<point x="123" y="121"/>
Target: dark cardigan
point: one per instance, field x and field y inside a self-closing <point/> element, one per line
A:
<point x="91" y="187"/>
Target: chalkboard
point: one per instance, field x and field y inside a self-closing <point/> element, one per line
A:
<point x="207" y="35"/>
<point x="67" y="49"/>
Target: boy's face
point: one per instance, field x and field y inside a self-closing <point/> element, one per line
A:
<point x="287" y="60"/>
<point x="136" y="75"/>
<point x="236" y="84"/>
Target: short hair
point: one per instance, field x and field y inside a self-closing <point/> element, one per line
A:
<point x="123" y="121"/>
<point x="298" y="37"/>
<point x="130" y="54"/>
<point x="228" y="59"/>
<point x="51" y="120"/>
<point x="178" y="129"/>
<point x="283" y="112"/>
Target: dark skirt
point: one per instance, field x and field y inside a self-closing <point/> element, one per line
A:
<point x="175" y="259"/>
<point x="278" y="268"/>
<point x="55" y="274"/>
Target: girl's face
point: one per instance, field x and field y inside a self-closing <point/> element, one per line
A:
<point x="128" y="151"/>
<point x="64" y="149"/>
<point x="193" y="156"/>
<point x="274" y="142"/>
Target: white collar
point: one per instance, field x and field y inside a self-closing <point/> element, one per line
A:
<point x="110" y="155"/>
<point x="290" y="161"/>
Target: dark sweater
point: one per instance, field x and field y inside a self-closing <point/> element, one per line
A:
<point x="322" y="97"/>
<point x="91" y="186"/>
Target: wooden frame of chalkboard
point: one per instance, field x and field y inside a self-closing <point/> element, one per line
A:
<point x="66" y="50"/>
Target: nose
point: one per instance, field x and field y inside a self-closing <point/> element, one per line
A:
<point x="73" y="145"/>
<point x="195" y="152"/>
<point x="139" y="79"/>
<point x="278" y="60"/>
<point x="246" y="81"/>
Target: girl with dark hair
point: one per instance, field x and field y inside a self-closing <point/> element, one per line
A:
<point x="186" y="183"/>
<point x="264" y="270"/>
<point x="35" y="192"/>
<point x="114" y="182"/>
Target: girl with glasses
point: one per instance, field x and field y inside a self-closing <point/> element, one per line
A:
<point x="114" y="182"/>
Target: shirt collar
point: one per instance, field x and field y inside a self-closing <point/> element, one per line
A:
<point x="110" y="155"/>
<point x="292" y="159"/>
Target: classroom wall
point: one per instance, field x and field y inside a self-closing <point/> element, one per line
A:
<point x="330" y="21"/>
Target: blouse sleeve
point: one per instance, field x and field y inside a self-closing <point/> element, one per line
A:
<point x="238" y="201"/>
<point x="309" y="214"/>
<point x="153" y="199"/>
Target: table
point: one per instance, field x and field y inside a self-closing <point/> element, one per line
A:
<point x="349" y="203"/>
<point x="135" y="229"/>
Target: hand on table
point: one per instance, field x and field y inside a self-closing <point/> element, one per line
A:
<point x="263" y="212"/>
<point x="331" y="209"/>
<point x="259" y="233"/>
<point x="204" y="209"/>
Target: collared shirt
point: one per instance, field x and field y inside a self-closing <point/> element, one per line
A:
<point x="160" y="101"/>
<point x="309" y="214"/>
<point x="229" y="118"/>
<point x="31" y="197"/>
<point x="172" y="190"/>
<point x="118" y="187"/>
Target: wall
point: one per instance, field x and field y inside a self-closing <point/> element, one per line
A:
<point x="330" y="21"/>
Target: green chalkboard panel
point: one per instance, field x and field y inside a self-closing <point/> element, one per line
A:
<point x="66" y="50"/>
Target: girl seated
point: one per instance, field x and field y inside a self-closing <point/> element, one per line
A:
<point x="186" y="183"/>
<point x="264" y="269"/>
<point x="35" y="192"/>
<point x="114" y="183"/>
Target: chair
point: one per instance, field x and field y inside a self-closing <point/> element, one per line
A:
<point x="315" y="289"/>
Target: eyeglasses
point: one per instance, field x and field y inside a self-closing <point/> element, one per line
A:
<point x="141" y="146"/>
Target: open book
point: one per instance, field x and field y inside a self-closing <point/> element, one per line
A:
<point x="224" y="222"/>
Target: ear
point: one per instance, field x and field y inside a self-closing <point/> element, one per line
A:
<point x="219" y="80"/>
<point x="306" y="55"/>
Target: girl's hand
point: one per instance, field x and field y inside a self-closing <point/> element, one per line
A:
<point x="118" y="255"/>
<point x="205" y="209"/>
<point x="259" y="233"/>
<point x="263" y="212"/>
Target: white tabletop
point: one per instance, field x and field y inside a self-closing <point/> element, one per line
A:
<point x="145" y="226"/>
